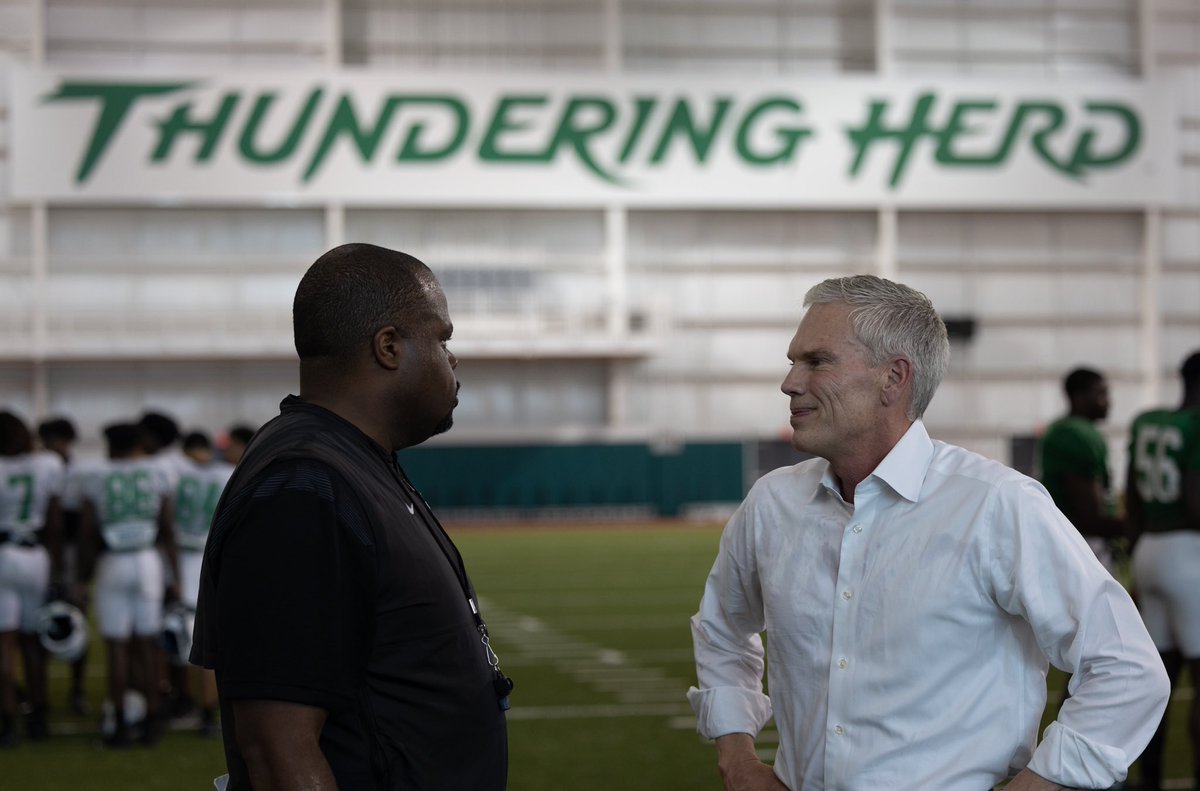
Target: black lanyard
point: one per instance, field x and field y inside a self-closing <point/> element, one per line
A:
<point x="502" y="684"/>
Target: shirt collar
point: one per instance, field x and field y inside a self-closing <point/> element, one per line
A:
<point x="294" y="403"/>
<point x="903" y="469"/>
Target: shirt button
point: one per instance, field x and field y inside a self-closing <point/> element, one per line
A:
<point x="847" y="595"/>
<point x="857" y="528"/>
<point x="839" y="730"/>
<point x="843" y="664"/>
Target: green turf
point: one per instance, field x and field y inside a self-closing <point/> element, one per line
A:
<point x="77" y="763"/>
<point x="592" y="624"/>
<point x="626" y="591"/>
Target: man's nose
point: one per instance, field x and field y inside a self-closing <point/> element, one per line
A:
<point x="793" y="383"/>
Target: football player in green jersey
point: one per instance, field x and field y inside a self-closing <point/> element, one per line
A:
<point x="1163" y="500"/>
<point x="1074" y="463"/>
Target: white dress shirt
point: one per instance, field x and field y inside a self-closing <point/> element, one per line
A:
<point x="908" y="633"/>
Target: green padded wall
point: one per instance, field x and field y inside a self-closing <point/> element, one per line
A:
<point x="567" y="476"/>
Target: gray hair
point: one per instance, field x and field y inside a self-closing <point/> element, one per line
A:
<point x="892" y="319"/>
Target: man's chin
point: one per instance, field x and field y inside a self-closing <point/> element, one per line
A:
<point x="800" y="444"/>
<point x="446" y="424"/>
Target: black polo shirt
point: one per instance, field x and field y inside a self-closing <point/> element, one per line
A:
<point x="327" y="582"/>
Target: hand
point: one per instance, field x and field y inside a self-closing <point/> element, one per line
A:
<point x="1029" y="781"/>
<point x="751" y="775"/>
<point x="741" y="770"/>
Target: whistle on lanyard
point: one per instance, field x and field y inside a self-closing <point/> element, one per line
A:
<point x="503" y="685"/>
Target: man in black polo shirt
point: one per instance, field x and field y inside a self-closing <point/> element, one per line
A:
<point x="344" y="632"/>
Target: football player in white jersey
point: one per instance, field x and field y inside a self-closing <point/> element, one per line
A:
<point x="196" y="496"/>
<point x="160" y="439"/>
<point x="127" y="520"/>
<point x="58" y="436"/>
<point x="30" y="517"/>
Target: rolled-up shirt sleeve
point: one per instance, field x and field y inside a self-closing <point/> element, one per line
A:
<point x="1085" y="624"/>
<point x="726" y="637"/>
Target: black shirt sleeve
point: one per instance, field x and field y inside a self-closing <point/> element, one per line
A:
<point x="294" y="591"/>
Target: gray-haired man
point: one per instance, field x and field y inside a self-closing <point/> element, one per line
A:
<point x="912" y="592"/>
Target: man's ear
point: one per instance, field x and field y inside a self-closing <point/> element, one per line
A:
<point x="897" y="387"/>
<point x="387" y="347"/>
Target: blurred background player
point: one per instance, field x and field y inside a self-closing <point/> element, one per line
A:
<point x="201" y="482"/>
<point x="58" y="436"/>
<point x="1162" y="493"/>
<point x="239" y="438"/>
<point x="161" y="440"/>
<point x="30" y="518"/>
<point x="197" y="449"/>
<point x="159" y="437"/>
<point x="126" y="520"/>
<point x="1074" y="463"/>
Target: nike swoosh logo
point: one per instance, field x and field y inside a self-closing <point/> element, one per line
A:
<point x="411" y="509"/>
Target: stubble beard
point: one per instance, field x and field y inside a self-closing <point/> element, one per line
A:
<point x="446" y="423"/>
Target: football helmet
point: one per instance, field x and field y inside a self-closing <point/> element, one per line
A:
<point x="178" y="621"/>
<point x="62" y="630"/>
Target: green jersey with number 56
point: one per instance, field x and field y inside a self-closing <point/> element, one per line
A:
<point x="1164" y="445"/>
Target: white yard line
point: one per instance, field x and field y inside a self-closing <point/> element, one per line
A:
<point x="598" y="711"/>
<point x="640" y="691"/>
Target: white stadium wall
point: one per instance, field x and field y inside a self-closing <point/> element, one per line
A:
<point x="650" y="301"/>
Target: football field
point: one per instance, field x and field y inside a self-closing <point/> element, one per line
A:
<point x="593" y="626"/>
<point x="591" y="622"/>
